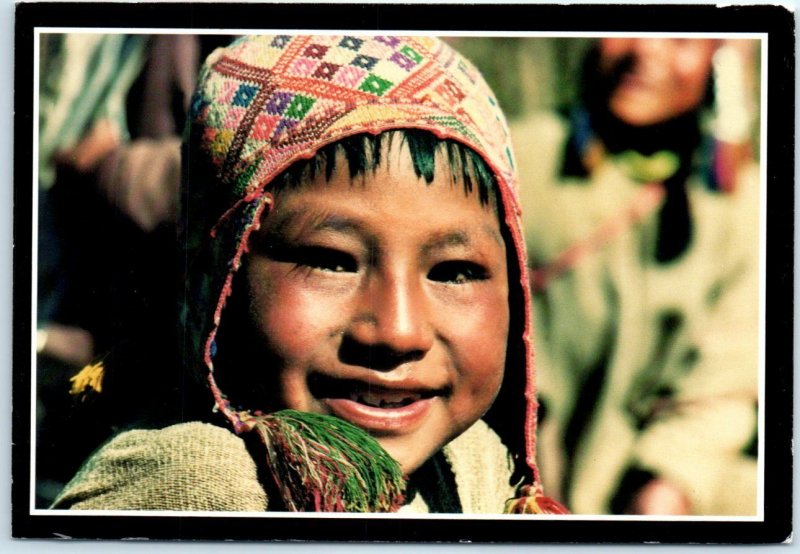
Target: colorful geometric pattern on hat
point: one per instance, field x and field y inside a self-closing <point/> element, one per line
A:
<point x="267" y="101"/>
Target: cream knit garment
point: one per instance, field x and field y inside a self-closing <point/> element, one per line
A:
<point x="201" y="467"/>
<point x="188" y="467"/>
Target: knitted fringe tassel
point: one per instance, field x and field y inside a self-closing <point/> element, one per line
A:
<point x="531" y="500"/>
<point x="322" y="463"/>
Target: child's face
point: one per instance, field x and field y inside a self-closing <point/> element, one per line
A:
<point x="384" y="301"/>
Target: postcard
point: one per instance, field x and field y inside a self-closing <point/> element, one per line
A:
<point x="435" y="273"/>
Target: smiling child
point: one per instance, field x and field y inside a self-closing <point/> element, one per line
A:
<point x="354" y="252"/>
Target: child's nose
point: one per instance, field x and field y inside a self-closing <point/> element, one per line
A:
<point x="392" y="317"/>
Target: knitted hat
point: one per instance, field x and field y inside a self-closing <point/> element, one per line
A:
<point x="266" y="102"/>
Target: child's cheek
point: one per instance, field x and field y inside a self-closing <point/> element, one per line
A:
<point x="482" y="329"/>
<point x="285" y="312"/>
<point x="296" y="311"/>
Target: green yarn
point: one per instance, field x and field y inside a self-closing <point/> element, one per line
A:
<point x="653" y="168"/>
<point x="323" y="463"/>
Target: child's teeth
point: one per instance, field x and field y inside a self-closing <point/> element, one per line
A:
<point x="384" y="399"/>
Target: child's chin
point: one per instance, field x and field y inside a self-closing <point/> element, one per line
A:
<point x="409" y="461"/>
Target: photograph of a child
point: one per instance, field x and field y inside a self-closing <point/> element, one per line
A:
<point x="353" y="249"/>
<point x="417" y="274"/>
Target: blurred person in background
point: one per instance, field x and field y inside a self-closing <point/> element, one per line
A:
<point x="641" y="214"/>
<point x="111" y="113"/>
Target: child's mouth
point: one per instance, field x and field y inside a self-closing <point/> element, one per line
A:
<point x="378" y="410"/>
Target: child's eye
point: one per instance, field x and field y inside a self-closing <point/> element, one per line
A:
<point x="325" y="259"/>
<point x="457" y="272"/>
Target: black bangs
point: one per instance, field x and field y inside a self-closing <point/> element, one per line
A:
<point x="363" y="153"/>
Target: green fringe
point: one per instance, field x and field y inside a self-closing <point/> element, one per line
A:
<point x="323" y="463"/>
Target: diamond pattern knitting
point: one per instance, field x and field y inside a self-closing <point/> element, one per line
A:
<point x="302" y="90"/>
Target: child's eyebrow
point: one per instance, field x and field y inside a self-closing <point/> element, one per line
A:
<point x="342" y="224"/>
<point x="445" y="240"/>
<point x="315" y="222"/>
<point x="347" y="225"/>
<point x="458" y="238"/>
<point x="277" y="235"/>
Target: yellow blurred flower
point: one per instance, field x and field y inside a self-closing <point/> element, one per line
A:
<point x="89" y="378"/>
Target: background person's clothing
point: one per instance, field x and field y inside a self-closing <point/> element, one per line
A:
<point x="643" y="367"/>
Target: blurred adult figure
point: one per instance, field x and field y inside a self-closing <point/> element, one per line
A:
<point x="641" y="211"/>
<point x="111" y="113"/>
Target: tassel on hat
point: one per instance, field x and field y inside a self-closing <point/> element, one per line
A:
<point x="531" y="500"/>
<point x="325" y="464"/>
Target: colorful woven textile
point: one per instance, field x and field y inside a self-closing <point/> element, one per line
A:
<point x="268" y="101"/>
